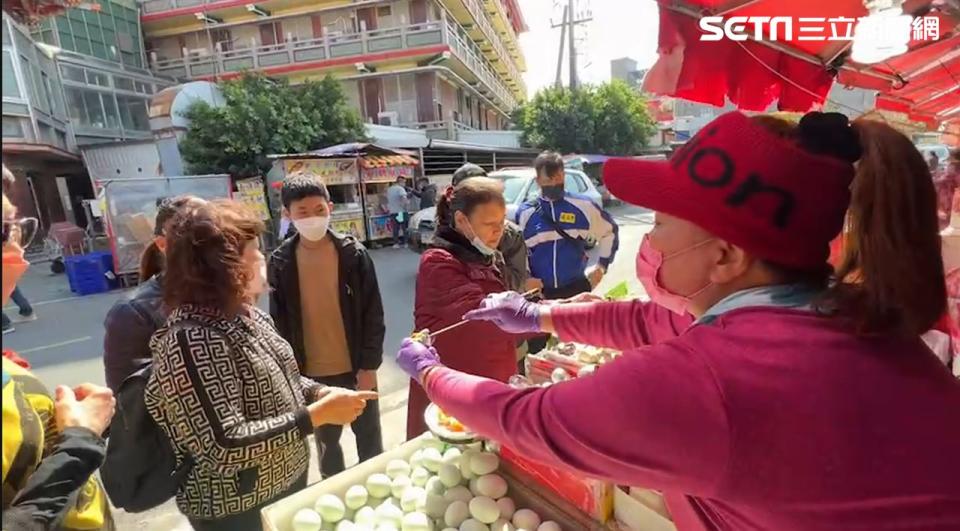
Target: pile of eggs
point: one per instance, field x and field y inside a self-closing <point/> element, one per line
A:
<point x="441" y="488"/>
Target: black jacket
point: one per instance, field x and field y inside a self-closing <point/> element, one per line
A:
<point x="360" y="303"/>
<point x="128" y="327"/>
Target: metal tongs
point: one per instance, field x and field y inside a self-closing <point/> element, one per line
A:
<point x="425" y="336"/>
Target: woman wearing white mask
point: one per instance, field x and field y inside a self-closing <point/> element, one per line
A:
<point x="325" y="302"/>
<point x="456" y="273"/>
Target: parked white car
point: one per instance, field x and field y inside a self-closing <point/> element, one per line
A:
<point x="519" y="186"/>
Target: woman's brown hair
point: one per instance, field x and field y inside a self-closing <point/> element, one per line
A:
<point x="890" y="276"/>
<point x="467" y="196"/>
<point x="205" y="247"/>
<point x="152" y="261"/>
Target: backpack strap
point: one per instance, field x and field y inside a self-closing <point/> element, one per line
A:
<point x="556" y="226"/>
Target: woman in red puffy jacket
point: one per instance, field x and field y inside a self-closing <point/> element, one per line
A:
<point x="456" y="273"/>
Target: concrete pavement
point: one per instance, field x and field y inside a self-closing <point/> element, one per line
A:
<point x="64" y="344"/>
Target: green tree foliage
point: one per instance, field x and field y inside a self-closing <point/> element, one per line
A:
<point x="609" y="119"/>
<point x="263" y="116"/>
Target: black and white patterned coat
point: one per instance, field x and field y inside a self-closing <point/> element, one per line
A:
<point x="229" y="393"/>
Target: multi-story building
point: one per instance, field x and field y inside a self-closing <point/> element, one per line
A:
<point x="75" y="79"/>
<point x="443" y="65"/>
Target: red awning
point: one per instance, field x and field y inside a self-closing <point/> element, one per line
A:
<point x="795" y="73"/>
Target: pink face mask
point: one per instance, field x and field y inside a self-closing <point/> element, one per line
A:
<point x="649" y="262"/>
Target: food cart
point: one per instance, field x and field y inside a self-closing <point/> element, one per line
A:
<point x="357" y="176"/>
<point x="130" y="207"/>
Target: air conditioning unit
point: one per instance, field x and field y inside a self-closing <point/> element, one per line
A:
<point x="388" y="118"/>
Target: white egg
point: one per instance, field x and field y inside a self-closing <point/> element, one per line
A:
<point x="549" y="525"/>
<point x="415" y="522"/>
<point x="492" y="486"/>
<point x="465" y="458"/>
<point x="472" y="485"/>
<point x="389" y="513"/>
<point x="412" y="497"/>
<point x="366" y="516"/>
<point x="397" y="468"/>
<point x="331" y="508"/>
<point x="419" y="476"/>
<point x="387" y="527"/>
<point x="452" y="456"/>
<point x="559" y="375"/>
<point x="399" y="484"/>
<point x="458" y="494"/>
<point x="432" y="459"/>
<point x="484" y="509"/>
<point x="435" y="505"/>
<point x="507" y="507"/>
<point x="416" y="459"/>
<point x="346" y="525"/>
<point x="502" y="524"/>
<point x="449" y="475"/>
<point x="306" y="520"/>
<point x="586" y="370"/>
<point x="378" y="485"/>
<point x="356" y="497"/>
<point x="484" y="463"/>
<point x="435" y="486"/>
<point x="456" y="513"/>
<point x="526" y="519"/>
<point x="473" y="525"/>
<point x="431" y="441"/>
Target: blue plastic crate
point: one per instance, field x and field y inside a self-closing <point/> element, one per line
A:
<point x="90" y="273"/>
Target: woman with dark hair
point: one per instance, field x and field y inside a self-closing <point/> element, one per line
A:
<point x="225" y="386"/>
<point x="800" y="398"/>
<point x="456" y="273"/>
<point x="133" y="319"/>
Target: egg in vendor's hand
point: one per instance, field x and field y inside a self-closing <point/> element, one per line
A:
<point x="399" y="484"/>
<point x="484" y="509"/>
<point x="507" y="507"/>
<point x="331" y="508"/>
<point x="378" y="485"/>
<point x="306" y="520"/>
<point x="397" y="468"/>
<point x="484" y="463"/>
<point x="473" y="525"/>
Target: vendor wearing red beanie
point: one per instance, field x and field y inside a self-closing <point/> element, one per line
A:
<point x="800" y="398"/>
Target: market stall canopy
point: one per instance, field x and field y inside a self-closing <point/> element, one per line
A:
<point x="798" y="69"/>
<point x="352" y="149"/>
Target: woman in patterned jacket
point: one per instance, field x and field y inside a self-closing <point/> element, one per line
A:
<point x="225" y="387"/>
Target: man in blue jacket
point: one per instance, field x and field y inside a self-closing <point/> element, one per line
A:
<point x="557" y="228"/>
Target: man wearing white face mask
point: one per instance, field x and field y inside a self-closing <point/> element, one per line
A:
<point x="325" y="301"/>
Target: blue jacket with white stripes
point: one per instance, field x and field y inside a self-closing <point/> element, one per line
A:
<point x="554" y="259"/>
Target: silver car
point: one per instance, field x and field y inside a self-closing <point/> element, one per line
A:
<point x="519" y="186"/>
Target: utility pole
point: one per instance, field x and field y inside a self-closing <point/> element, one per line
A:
<point x="570" y="20"/>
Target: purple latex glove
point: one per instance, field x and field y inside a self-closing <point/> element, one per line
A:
<point x="414" y="357"/>
<point x="510" y="311"/>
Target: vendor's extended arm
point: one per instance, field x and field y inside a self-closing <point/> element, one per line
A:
<point x="655" y="418"/>
<point x="619" y="325"/>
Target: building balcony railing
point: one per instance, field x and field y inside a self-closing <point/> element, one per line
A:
<point x="483" y="22"/>
<point x="156" y="6"/>
<point x="236" y="60"/>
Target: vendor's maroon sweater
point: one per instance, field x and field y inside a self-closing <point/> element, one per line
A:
<point x="766" y="418"/>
